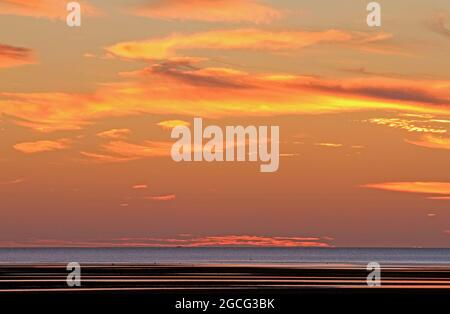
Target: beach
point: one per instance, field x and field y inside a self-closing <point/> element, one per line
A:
<point x="163" y="286"/>
<point x="224" y="279"/>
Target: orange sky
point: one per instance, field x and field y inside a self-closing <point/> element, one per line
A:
<point x="86" y="115"/>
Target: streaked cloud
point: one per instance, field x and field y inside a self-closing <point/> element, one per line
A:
<point x="139" y="186"/>
<point x="161" y="198"/>
<point x="11" y="56"/>
<point x="170" y="124"/>
<point x="333" y="145"/>
<point x="182" y="241"/>
<point x="432" y="141"/>
<point x="104" y="158"/>
<point x="184" y="89"/>
<point x="435" y="190"/>
<point x="115" y="134"/>
<point x="51" y="9"/>
<point x="12" y="182"/>
<point x="440" y="23"/>
<point x="240" y="39"/>
<point x="42" y="146"/>
<point x="121" y="151"/>
<point x="421" y="126"/>
<point x="210" y="11"/>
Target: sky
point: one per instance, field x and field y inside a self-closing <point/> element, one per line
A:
<point x="86" y="115"/>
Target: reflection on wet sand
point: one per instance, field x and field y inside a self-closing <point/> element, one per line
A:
<point x="178" y="277"/>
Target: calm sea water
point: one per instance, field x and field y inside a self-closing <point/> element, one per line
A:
<point x="225" y="255"/>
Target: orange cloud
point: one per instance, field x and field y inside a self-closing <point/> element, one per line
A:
<point x="170" y="124"/>
<point x="182" y="88"/>
<point x="11" y="56"/>
<point x="115" y="134"/>
<point x="162" y="198"/>
<point x="238" y="39"/>
<point x="15" y="181"/>
<point x="432" y="141"/>
<point x="234" y="240"/>
<point x="210" y="11"/>
<point x="139" y="186"/>
<point x="52" y="9"/>
<point x="421" y="126"/>
<point x="440" y="23"/>
<point x="441" y="189"/>
<point x="120" y="151"/>
<point x="103" y="158"/>
<point x="333" y="145"/>
<point x="182" y="241"/>
<point x="42" y="146"/>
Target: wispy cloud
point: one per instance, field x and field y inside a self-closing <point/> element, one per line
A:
<point x="115" y="134"/>
<point x="420" y="126"/>
<point x="161" y="198"/>
<point x="332" y="145"/>
<point x="51" y="9"/>
<point x="440" y="23"/>
<point x="182" y="241"/>
<point x="432" y="141"/>
<point x="139" y="186"/>
<point x="210" y="11"/>
<point x="121" y="151"/>
<point x="239" y="39"/>
<point x="12" y="182"/>
<point x="435" y="190"/>
<point x="42" y="146"/>
<point x="11" y="56"/>
<point x="170" y="124"/>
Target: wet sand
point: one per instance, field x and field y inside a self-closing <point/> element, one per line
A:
<point x="161" y="286"/>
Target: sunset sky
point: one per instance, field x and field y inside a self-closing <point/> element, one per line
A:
<point x="87" y="112"/>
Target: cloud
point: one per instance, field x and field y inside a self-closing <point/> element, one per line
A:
<point x="170" y="124"/>
<point x="51" y="9"/>
<point x="440" y="23"/>
<point x="11" y="56"/>
<point x="210" y="11"/>
<point x="42" y="146"/>
<point x="432" y="141"/>
<point x="121" y="151"/>
<point x="188" y="74"/>
<point x="181" y="87"/>
<point x="115" y="134"/>
<point x="436" y="190"/>
<point x="48" y="112"/>
<point x="240" y="39"/>
<point x="11" y="182"/>
<point x="103" y="158"/>
<point x="139" y="186"/>
<point x="334" y="145"/>
<point x="421" y="126"/>
<point x="161" y="198"/>
<point x="182" y="241"/>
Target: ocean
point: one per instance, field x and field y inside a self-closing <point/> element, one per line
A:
<point x="227" y="255"/>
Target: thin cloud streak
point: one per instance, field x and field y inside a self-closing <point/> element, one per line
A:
<point x="432" y="141"/>
<point x="243" y="39"/>
<point x="209" y="11"/>
<point x="49" y="9"/>
<point x="42" y="146"/>
<point x="182" y="241"/>
<point x="11" y="56"/>
<point x="440" y="190"/>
